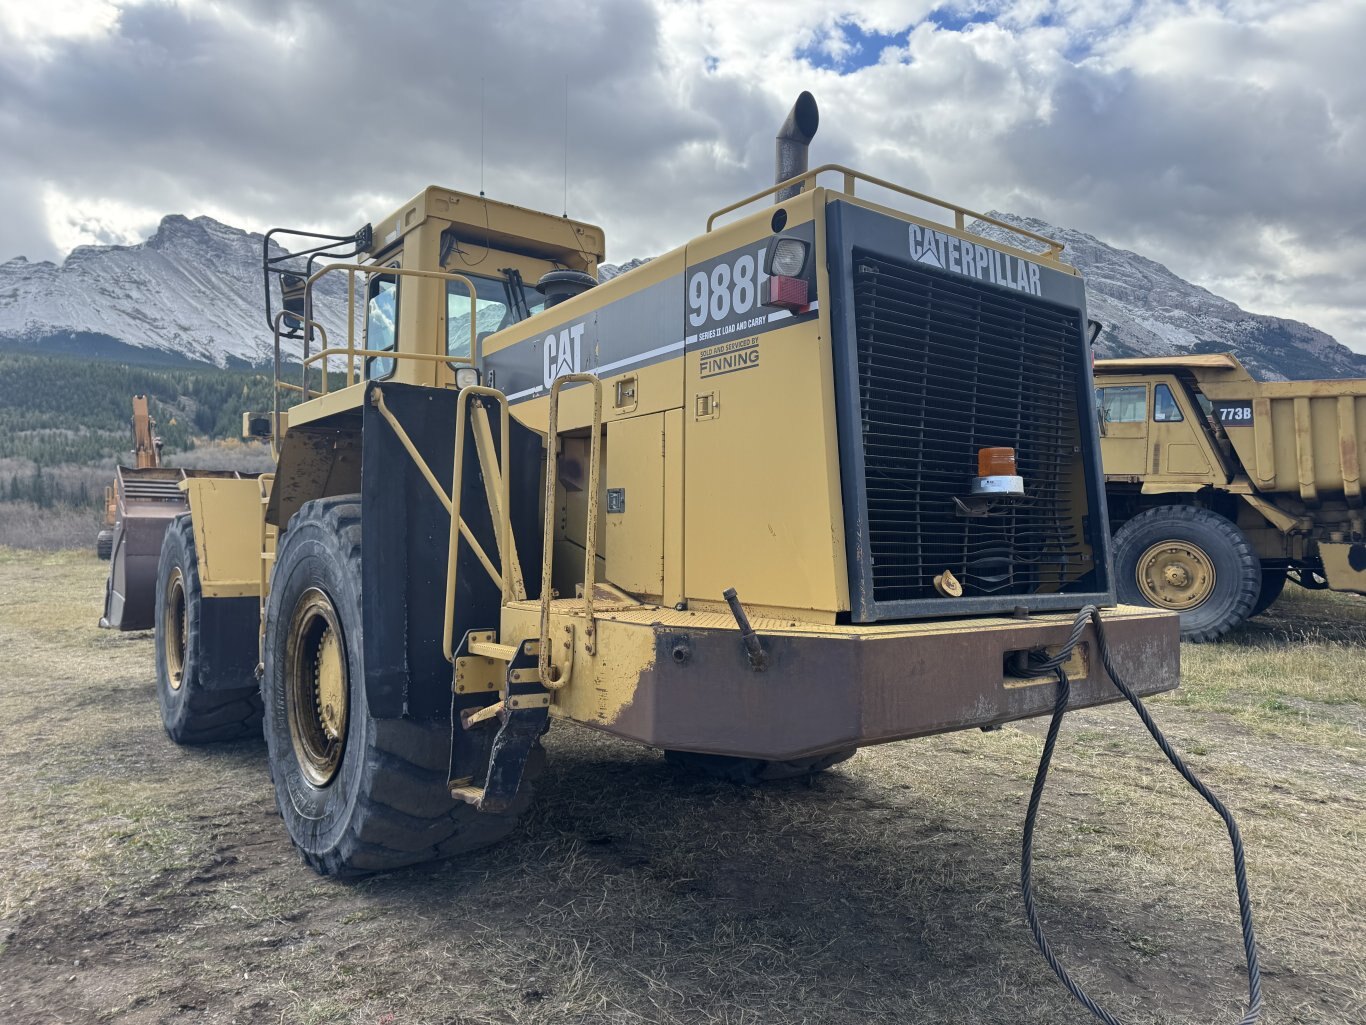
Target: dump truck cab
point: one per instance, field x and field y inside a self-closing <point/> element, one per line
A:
<point x="1267" y="472"/>
<point x="823" y="476"/>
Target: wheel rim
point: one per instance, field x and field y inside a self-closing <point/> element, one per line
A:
<point x="316" y="688"/>
<point x="1176" y="575"/>
<point x="175" y="627"/>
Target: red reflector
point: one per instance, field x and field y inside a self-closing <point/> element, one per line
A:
<point x="787" y="293"/>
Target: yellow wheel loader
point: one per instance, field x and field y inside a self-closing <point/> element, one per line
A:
<point x="139" y="506"/>
<point x="827" y="475"/>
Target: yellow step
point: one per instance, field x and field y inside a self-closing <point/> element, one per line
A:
<point x="492" y="649"/>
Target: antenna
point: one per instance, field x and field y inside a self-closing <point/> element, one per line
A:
<point x="566" y="146"/>
<point x="481" y="135"/>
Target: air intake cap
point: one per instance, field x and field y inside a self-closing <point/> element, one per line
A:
<point x="559" y="285"/>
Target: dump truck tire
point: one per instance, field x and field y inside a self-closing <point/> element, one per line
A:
<point x="104" y="543"/>
<point x="195" y="708"/>
<point x="1191" y="561"/>
<point x="1273" y="583"/>
<point x="357" y="794"/>
<point x="753" y="772"/>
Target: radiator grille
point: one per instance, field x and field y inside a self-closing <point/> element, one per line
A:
<point x="947" y="367"/>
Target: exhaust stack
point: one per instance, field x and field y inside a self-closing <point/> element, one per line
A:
<point x="793" y="139"/>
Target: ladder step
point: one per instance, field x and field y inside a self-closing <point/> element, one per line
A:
<point x="492" y="649"/>
<point x="468" y="794"/>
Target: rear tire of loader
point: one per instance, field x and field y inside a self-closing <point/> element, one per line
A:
<point x="104" y="543"/>
<point x="753" y="772"/>
<point x="1191" y="561"/>
<point x="357" y="794"/>
<point x="195" y="709"/>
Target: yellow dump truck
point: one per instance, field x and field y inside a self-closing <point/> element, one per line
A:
<point x="1222" y="487"/>
<point x="824" y="476"/>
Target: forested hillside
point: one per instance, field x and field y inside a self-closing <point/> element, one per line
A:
<point x="64" y="423"/>
<point x="57" y="409"/>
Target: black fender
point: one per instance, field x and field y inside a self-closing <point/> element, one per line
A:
<point x="405" y="539"/>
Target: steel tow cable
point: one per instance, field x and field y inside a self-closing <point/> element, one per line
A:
<point x="1037" y="665"/>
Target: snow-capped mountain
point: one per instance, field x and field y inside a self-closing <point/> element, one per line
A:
<point x="1149" y="311"/>
<point x="193" y="291"/>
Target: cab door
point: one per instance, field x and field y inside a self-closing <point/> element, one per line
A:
<point x="1180" y="448"/>
<point x="1123" y="413"/>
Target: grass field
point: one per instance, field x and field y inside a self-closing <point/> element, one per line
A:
<point x="140" y="882"/>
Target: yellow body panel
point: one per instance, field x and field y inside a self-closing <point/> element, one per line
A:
<point x="226" y="516"/>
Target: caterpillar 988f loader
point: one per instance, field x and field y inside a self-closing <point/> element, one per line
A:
<point x="819" y="478"/>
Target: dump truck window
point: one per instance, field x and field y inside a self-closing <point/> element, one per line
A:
<point x="381" y="325"/>
<point x="491" y="313"/>
<point x="1123" y="404"/>
<point x="1165" y="409"/>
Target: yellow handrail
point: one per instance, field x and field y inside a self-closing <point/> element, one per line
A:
<point x="432" y="482"/>
<point x="851" y="176"/>
<point x="549" y="674"/>
<point x="351" y="352"/>
<point x="504" y="524"/>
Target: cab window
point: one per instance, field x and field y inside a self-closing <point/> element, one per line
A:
<point x="1122" y="404"/>
<point x="381" y="325"/>
<point x="493" y="308"/>
<point x="1165" y="409"/>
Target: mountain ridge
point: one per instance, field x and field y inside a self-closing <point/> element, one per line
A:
<point x="191" y="292"/>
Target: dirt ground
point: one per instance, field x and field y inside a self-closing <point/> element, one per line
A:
<point x="140" y="882"/>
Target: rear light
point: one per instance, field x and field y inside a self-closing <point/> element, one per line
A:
<point x="788" y="259"/>
<point x="785" y="293"/>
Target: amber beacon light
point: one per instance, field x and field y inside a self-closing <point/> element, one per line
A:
<point x="996" y="473"/>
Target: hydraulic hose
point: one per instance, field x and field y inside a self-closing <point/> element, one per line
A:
<point x="1039" y="665"/>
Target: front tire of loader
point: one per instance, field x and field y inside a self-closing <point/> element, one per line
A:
<point x="357" y="794"/>
<point x="1191" y="561"/>
<point x="104" y="544"/>
<point x="753" y="772"/>
<point x="195" y="707"/>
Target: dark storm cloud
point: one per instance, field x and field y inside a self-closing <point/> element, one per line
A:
<point x="305" y="112"/>
<point x="1225" y="139"/>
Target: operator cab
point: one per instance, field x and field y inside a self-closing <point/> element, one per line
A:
<point x="413" y="298"/>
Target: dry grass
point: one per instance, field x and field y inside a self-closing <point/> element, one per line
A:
<point x="144" y="883"/>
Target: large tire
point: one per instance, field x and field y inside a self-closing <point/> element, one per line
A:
<point x="1190" y="561"/>
<point x="363" y="794"/>
<point x="753" y="772"/>
<point x="104" y="543"/>
<point x="1273" y="583"/>
<point x="196" y="708"/>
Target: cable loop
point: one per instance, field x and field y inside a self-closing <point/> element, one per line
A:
<point x="1038" y="664"/>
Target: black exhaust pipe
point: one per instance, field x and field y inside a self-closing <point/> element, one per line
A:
<point x="793" y="139"/>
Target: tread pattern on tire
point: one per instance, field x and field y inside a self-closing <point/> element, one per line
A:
<point x="1182" y="522"/>
<point x="402" y="813"/>
<point x="199" y="715"/>
<point x="104" y="543"/>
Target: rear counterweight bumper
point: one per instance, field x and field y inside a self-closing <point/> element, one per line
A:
<point x="839" y="687"/>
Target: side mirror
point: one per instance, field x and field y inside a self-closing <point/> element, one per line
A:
<point x="292" y="299"/>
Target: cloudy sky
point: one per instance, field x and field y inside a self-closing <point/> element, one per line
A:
<point x="1225" y="139"/>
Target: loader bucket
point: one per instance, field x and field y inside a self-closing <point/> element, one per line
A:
<point x="146" y="501"/>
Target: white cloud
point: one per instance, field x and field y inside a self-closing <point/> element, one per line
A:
<point x="1225" y="139"/>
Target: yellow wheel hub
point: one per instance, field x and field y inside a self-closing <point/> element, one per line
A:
<point x="317" y="695"/>
<point x="1176" y="575"/>
<point x="175" y="628"/>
